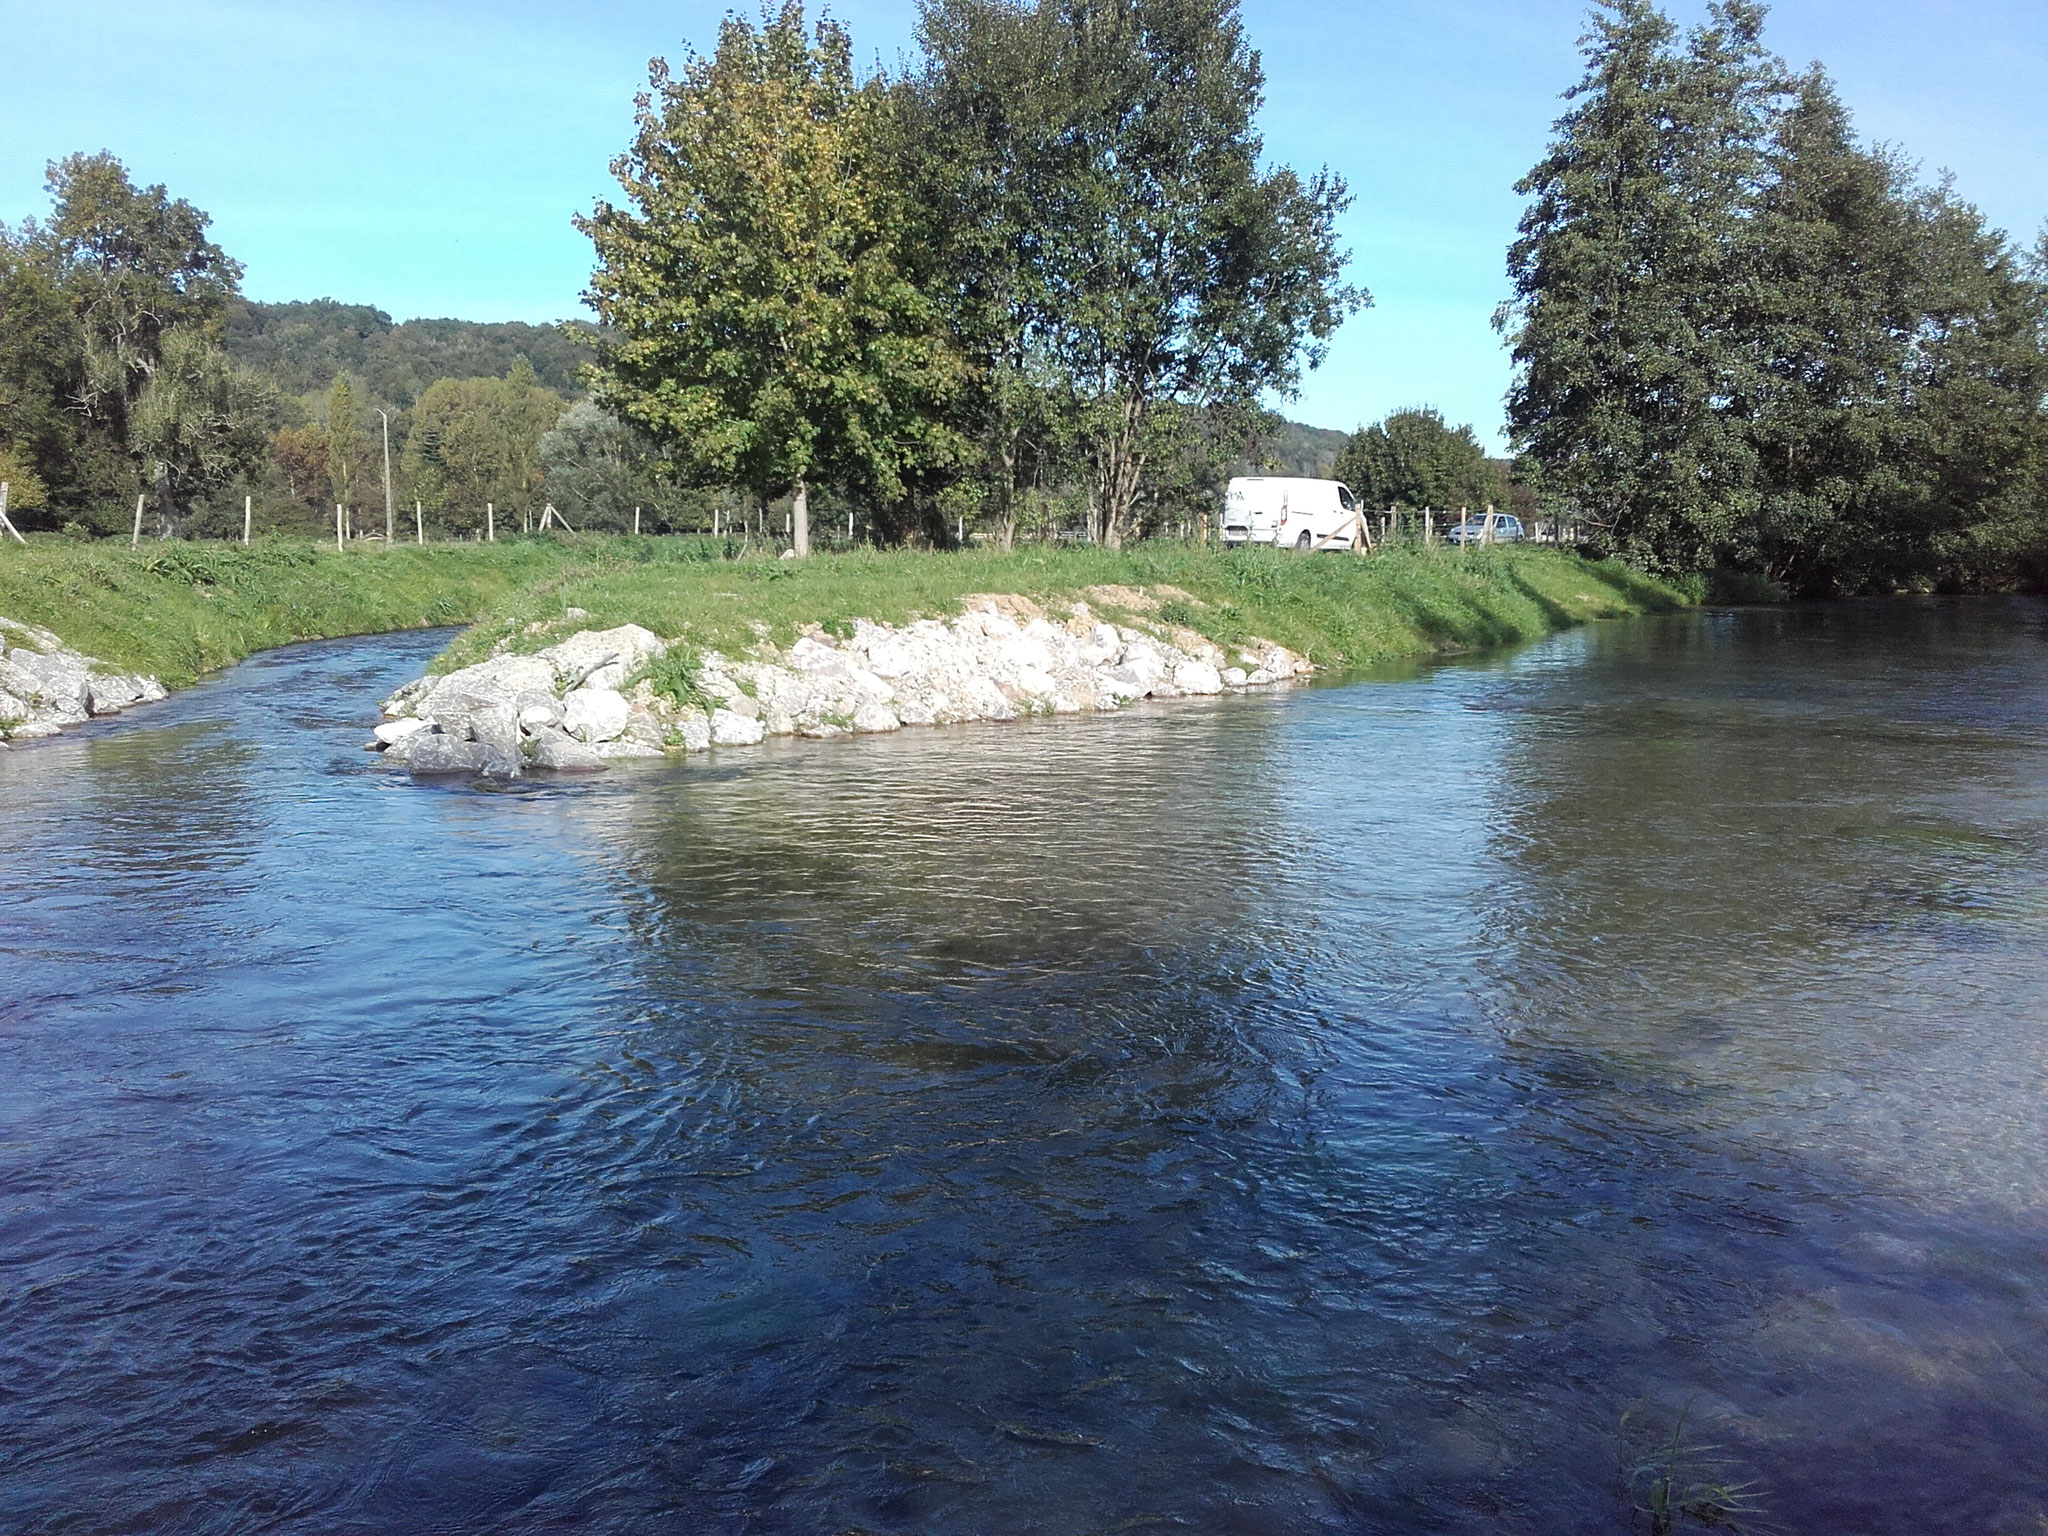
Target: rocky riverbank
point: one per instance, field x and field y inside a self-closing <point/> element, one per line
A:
<point x="46" y="686"/>
<point x="600" y="696"/>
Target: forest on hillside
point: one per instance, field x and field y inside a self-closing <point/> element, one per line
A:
<point x="1043" y="281"/>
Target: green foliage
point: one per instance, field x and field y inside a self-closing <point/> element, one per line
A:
<point x="767" y="335"/>
<point x="675" y="676"/>
<point x="42" y="369"/>
<point x="1413" y="460"/>
<point x="343" y="439"/>
<point x="199" y="424"/>
<point x="134" y="264"/>
<point x="1093" y="181"/>
<point x="1745" y="341"/>
<point x="598" y="469"/>
<point x="474" y="443"/>
<point x="302" y="347"/>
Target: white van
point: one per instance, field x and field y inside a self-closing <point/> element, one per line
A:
<point x="1300" y="514"/>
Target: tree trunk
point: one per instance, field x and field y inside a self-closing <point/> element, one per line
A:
<point x="1118" y="469"/>
<point x="1006" y="524"/>
<point x="800" y="510"/>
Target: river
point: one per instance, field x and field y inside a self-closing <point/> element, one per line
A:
<point x="1414" y="1104"/>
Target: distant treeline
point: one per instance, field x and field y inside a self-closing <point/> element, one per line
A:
<point x="303" y="347"/>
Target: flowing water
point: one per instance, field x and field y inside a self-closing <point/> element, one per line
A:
<point x="1407" y="1105"/>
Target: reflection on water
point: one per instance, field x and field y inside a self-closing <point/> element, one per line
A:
<point x="1321" y="1112"/>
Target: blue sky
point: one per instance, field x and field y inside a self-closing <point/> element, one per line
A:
<point x="426" y="157"/>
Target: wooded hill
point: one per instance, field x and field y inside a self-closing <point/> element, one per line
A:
<point x="304" y="345"/>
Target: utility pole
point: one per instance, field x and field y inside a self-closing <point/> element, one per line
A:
<point x="390" y="528"/>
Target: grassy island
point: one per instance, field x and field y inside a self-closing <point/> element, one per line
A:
<point x="178" y="610"/>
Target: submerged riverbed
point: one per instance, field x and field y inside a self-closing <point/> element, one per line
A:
<point x="1389" y="1106"/>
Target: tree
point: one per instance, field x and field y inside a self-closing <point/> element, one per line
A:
<point x="1625" y="272"/>
<point x="299" y="455"/>
<point x="767" y="334"/>
<point x="199" y="424"/>
<point x="474" y="442"/>
<point x="1413" y="460"/>
<point x="599" y="469"/>
<point x="1978" y="424"/>
<point x="343" y="435"/>
<point x="979" y="141"/>
<point x="1744" y="339"/>
<point x="42" y="371"/>
<point x="1175" y="268"/>
<point x="134" y="264"/>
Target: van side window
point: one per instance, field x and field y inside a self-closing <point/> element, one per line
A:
<point x="1344" y="498"/>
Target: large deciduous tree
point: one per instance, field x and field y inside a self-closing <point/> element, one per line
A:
<point x="1127" y="226"/>
<point x="135" y="263"/>
<point x="766" y="332"/>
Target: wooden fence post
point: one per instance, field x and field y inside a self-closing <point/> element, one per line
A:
<point x="636" y="522"/>
<point x="490" y="523"/>
<point x="135" y="538"/>
<point x="248" y="507"/>
<point x="338" y="546"/>
<point x="4" y="523"/>
<point x="419" y="523"/>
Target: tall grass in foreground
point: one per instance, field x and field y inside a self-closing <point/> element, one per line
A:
<point x="179" y="610"/>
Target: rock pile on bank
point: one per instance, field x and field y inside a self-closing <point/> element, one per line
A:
<point x="581" y="704"/>
<point x="45" y="685"/>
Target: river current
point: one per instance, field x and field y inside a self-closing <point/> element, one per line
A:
<point x="1411" y="1105"/>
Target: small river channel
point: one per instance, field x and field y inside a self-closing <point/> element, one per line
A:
<point x="1396" y="1106"/>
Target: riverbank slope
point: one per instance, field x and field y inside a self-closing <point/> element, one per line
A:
<point x="174" y="612"/>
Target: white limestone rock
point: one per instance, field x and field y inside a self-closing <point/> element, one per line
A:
<point x="561" y="753"/>
<point x="603" y="658"/>
<point x="729" y="729"/>
<point x="593" y="715"/>
<point x="393" y="731"/>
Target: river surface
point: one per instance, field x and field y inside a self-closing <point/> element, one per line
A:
<point x="1401" y="1106"/>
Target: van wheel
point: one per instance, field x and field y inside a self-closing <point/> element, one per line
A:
<point x="1305" y="542"/>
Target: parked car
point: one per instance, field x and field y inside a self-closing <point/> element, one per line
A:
<point x="1506" y="530"/>
<point x="1297" y="513"/>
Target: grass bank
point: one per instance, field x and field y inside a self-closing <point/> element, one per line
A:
<point x="180" y="610"/>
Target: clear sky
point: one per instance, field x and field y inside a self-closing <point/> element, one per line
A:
<point x="426" y="156"/>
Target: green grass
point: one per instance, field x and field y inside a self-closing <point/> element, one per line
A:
<point x="179" y="610"/>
